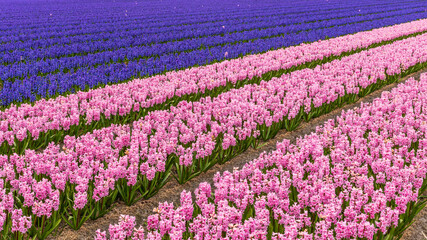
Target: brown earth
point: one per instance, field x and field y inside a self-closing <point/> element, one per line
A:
<point x="171" y="191"/>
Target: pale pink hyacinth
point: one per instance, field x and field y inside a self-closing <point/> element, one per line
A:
<point x="125" y="229"/>
<point x="121" y="99"/>
<point x="363" y="158"/>
<point x="20" y="223"/>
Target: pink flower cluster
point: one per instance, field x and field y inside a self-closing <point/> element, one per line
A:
<point x="125" y="229"/>
<point x="64" y="112"/>
<point x="356" y="177"/>
<point x="94" y="163"/>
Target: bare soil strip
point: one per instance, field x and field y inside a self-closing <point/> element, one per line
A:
<point x="172" y="190"/>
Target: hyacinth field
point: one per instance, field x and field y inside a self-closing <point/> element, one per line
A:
<point x="107" y="102"/>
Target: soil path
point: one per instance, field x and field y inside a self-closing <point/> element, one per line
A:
<point x="171" y="191"/>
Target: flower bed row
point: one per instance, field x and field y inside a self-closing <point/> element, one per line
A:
<point x="139" y="36"/>
<point x="207" y="38"/>
<point x="83" y="177"/>
<point x="60" y="32"/>
<point x="34" y="126"/>
<point x="35" y="86"/>
<point x="358" y="177"/>
<point x="107" y="27"/>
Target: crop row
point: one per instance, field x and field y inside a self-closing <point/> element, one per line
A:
<point x="50" y="65"/>
<point x="83" y="177"/>
<point x="159" y="21"/>
<point x="64" y="64"/>
<point x="35" y="87"/>
<point x="63" y="29"/>
<point x="125" y="31"/>
<point x="139" y="37"/>
<point x="361" y="176"/>
<point x="34" y="126"/>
